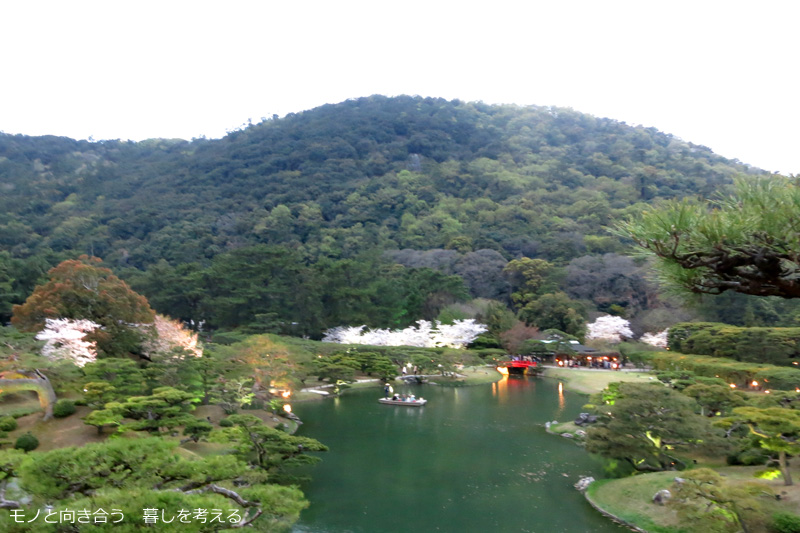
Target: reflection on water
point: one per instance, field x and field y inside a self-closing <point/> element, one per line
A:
<point x="473" y="459"/>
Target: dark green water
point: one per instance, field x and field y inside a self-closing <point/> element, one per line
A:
<point x="474" y="459"/>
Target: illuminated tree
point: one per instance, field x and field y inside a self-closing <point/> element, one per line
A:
<point x="170" y="337"/>
<point x="644" y="423"/>
<point x="777" y="430"/>
<point x="706" y="501"/>
<point x="271" y="363"/>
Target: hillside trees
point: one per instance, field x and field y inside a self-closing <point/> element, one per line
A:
<point x="271" y="289"/>
<point x="493" y="183"/>
<point x="517" y="180"/>
<point x="612" y="282"/>
<point x="555" y="311"/>
<point x="258" y="280"/>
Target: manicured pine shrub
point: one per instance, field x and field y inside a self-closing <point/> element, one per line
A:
<point x="8" y="423"/>
<point x="786" y="523"/>
<point x="777" y="346"/>
<point x="63" y="408"/>
<point x="27" y="443"/>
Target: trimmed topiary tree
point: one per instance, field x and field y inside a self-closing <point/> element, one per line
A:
<point x="27" y="443"/>
<point x="63" y="408"/>
<point x="8" y="423"/>
<point x="786" y="523"/>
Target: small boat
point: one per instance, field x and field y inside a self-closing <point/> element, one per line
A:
<point x="410" y="403"/>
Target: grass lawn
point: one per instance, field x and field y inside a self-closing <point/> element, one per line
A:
<point x="631" y="498"/>
<point x="59" y="432"/>
<point x="589" y="381"/>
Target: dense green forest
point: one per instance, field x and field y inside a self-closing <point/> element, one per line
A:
<point x="377" y="211"/>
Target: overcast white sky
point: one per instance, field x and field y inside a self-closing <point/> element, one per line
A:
<point x="723" y="74"/>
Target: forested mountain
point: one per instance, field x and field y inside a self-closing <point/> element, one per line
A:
<point x="315" y="198"/>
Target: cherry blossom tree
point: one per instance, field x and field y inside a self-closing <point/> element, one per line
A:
<point x="424" y="335"/>
<point x="169" y="336"/>
<point x="609" y="328"/>
<point x="65" y="339"/>
<point x="655" y="339"/>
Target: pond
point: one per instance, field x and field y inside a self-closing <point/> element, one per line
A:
<point x="475" y="458"/>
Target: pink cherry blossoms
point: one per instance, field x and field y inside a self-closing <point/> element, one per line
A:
<point x="425" y="335"/>
<point x="655" y="339"/>
<point x="65" y="340"/>
<point x="609" y="328"/>
<point x="171" y="337"/>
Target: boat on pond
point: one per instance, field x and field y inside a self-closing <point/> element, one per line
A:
<point x="417" y="402"/>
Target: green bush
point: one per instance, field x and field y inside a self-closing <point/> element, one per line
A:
<point x="786" y="523"/>
<point x="728" y="370"/>
<point x="8" y="423"/>
<point x="225" y="423"/>
<point x="27" y="442"/>
<point x="750" y="457"/>
<point x="63" y="408"/>
<point x="778" y="346"/>
<point x="779" y="378"/>
<point x="228" y="337"/>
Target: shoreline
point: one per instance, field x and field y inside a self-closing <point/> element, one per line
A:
<point x="589" y="381"/>
<point x="466" y="376"/>
<point x="611" y="516"/>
